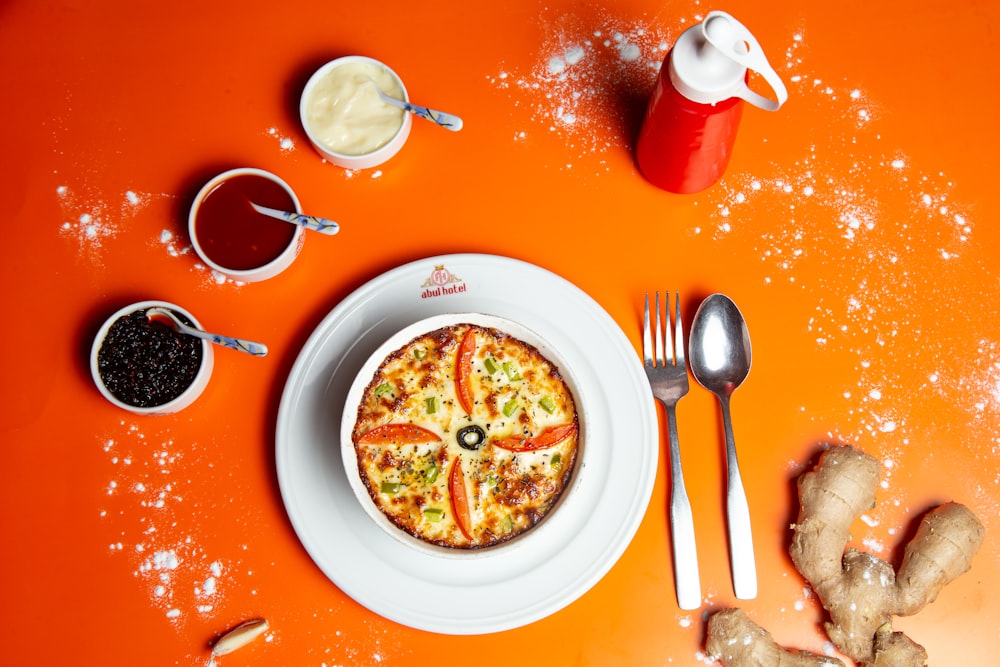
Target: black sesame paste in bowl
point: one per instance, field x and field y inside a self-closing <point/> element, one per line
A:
<point x="147" y="364"/>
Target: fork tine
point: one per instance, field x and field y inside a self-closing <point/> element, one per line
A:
<point x="647" y="341"/>
<point x="679" y="336"/>
<point x="658" y="341"/>
<point x="668" y="338"/>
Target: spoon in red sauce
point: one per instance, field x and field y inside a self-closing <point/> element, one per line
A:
<point x="167" y="318"/>
<point x="321" y="225"/>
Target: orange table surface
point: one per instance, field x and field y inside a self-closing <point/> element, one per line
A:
<point x="855" y="228"/>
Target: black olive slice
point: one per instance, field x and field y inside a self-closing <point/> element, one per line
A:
<point x="471" y="437"/>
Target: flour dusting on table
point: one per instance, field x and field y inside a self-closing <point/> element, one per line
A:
<point x="90" y="222"/>
<point x="870" y="245"/>
<point x="285" y="142"/>
<point x="155" y="526"/>
<point x="882" y="230"/>
<point x="586" y="74"/>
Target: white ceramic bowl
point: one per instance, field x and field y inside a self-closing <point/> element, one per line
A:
<point x="364" y="378"/>
<point x="266" y="270"/>
<point x="330" y="153"/>
<point x="187" y="397"/>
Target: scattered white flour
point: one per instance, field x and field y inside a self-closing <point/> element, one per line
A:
<point x="861" y="236"/>
<point x="174" y="245"/>
<point x="286" y="143"/>
<point x="179" y="247"/>
<point x="585" y="77"/>
<point x="855" y="239"/>
<point x="146" y="495"/>
<point x="90" y="223"/>
<point x="377" y="644"/>
<point x="866" y="226"/>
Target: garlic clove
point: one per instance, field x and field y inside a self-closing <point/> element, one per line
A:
<point x="240" y="636"/>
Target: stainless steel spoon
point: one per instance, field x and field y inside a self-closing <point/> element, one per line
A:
<point x="719" y="354"/>
<point x="165" y="317"/>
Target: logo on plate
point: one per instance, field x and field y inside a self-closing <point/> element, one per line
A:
<point x="441" y="282"/>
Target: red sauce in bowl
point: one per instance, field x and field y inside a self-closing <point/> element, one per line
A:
<point x="232" y="234"/>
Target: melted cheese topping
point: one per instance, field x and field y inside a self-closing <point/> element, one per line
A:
<point x="516" y="392"/>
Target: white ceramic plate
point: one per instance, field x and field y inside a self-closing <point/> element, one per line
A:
<point x="514" y="587"/>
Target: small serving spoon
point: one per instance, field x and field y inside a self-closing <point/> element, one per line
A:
<point x="167" y="318"/>
<point x="321" y="225"/>
<point x="719" y="354"/>
<point x="446" y="120"/>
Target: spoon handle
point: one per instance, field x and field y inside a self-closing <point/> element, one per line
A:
<point x="322" y="225"/>
<point x="167" y="318"/>
<point x="238" y="344"/>
<point x="741" y="554"/>
<point x="446" y="120"/>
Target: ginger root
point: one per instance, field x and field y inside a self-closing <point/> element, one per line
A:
<point x="860" y="591"/>
<point x="735" y="640"/>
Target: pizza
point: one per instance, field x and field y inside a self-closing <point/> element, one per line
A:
<point x="466" y="436"/>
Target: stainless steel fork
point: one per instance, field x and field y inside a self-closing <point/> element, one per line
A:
<point x="668" y="379"/>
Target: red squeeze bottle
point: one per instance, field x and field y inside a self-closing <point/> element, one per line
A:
<point x="694" y="113"/>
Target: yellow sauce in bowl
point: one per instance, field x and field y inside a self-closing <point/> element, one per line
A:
<point x="346" y="115"/>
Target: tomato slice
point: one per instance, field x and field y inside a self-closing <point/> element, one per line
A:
<point x="553" y="435"/>
<point x="398" y="434"/>
<point x="460" y="498"/>
<point x="463" y="370"/>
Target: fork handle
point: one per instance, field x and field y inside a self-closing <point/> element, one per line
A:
<point x="741" y="555"/>
<point x="687" y="580"/>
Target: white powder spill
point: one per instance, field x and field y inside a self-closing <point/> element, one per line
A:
<point x="350" y="174"/>
<point x="90" y="223"/>
<point x="883" y="229"/>
<point x="285" y="143"/>
<point x="374" y="646"/>
<point x="586" y="74"/>
<point x="155" y="527"/>
<point x="868" y="234"/>
<point x="874" y="244"/>
<point x="884" y="233"/>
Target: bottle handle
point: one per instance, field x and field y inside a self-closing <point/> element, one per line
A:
<point x="732" y="38"/>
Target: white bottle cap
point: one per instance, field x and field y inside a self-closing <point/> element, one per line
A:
<point x="710" y="60"/>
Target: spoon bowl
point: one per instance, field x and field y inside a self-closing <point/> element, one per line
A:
<point x="719" y="348"/>
<point x="719" y="356"/>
